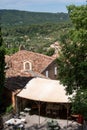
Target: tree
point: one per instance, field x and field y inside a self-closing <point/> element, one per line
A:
<point x="2" y="67"/>
<point x="50" y="52"/>
<point x="79" y="103"/>
<point x="72" y="63"/>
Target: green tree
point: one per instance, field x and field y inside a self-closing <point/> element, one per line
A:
<point x="2" y="67"/>
<point x="72" y="62"/>
<point x="50" y="52"/>
<point x="79" y="103"/>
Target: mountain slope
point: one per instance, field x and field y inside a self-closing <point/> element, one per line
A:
<point x="15" y="17"/>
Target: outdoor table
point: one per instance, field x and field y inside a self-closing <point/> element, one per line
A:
<point x="23" y="120"/>
<point x="15" y="121"/>
<point x="22" y="113"/>
<point x="76" y="116"/>
<point x="27" y="109"/>
<point x="53" y="125"/>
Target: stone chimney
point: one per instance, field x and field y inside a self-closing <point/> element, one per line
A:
<point x="21" y="47"/>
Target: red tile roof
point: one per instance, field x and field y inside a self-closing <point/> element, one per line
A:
<point x="13" y="73"/>
<point x="39" y="61"/>
<point x="16" y="77"/>
<point x="7" y="57"/>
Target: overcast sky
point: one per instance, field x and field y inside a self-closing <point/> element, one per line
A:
<point x="39" y="5"/>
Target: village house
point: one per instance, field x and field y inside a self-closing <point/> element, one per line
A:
<point x="22" y="67"/>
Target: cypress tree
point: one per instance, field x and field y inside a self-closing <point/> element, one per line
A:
<point x="2" y="67"/>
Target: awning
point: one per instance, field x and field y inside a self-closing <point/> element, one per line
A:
<point x="47" y="90"/>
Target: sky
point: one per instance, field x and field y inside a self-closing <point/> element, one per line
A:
<point x="53" y="6"/>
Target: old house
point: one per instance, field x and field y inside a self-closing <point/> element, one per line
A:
<point x="22" y="67"/>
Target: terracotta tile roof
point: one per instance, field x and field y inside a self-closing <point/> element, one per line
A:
<point x="13" y="73"/>
<point x="39" y="61"/>
<point x="7" y="58"/>
<point x="16" y="76"/>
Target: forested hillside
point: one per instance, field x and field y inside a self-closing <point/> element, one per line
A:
<point x="15" y="17"/>
<point x="35" y="31"/>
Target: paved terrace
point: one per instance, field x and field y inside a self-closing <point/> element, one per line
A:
<point x="35" y="122"/>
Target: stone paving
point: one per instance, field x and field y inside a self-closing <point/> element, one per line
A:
<point x="35" y="122"/>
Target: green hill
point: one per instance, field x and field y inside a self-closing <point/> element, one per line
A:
<point x="15" y="17"/>
<point x="35" y="31"/>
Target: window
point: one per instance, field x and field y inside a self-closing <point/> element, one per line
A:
<point x="47" y="73"/>
<point x="55" y="70"/>
<point x="27" y="66"/>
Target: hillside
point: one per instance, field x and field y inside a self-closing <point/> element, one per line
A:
<point x="15" y="17"/>
<point x="35" y="31"/>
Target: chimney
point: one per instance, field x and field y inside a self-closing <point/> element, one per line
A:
<point x="21" y="47"/>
